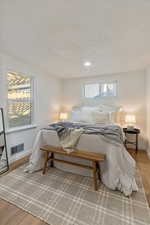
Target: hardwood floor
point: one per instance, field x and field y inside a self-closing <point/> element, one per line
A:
<point x="12" y="215"/>
<point x="143" y="163"/>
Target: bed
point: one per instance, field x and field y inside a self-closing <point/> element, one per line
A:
<point x="117" y="172"/>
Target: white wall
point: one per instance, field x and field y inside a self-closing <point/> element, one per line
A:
<point x="50" y="92"/>
<point x="47" y="95"/>
<point x="131" y="95"/>
<point x="148" y="107"/>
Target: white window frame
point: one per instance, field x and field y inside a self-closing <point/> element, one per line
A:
<point x="33" y="100"/>
<point x="100" y="83"/>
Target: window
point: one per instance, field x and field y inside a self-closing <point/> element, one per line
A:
<point x="20" y="105"/>
<point x="108" y="89"/>
<point x="91" y="90"/>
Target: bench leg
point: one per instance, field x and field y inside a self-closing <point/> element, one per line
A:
<point x="94" y="176"/>
<point x="45" y="163"/>
<point x="98" y="171"/>
<point x="52" y="162"/>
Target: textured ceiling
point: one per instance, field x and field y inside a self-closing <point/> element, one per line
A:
<point x="60" y="35"/>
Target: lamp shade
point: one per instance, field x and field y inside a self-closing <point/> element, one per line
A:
<point x="130" y="119"/>
<point x="63" y="116"/>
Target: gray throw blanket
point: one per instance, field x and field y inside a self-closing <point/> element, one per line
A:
<point x="69" y="133"/>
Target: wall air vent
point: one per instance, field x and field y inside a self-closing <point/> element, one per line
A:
<point x="17" y="149"/>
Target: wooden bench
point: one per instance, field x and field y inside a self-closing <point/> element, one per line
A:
<point x="95" y="158"/>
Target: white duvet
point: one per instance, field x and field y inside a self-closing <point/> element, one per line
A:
<point x="117" y="172"/>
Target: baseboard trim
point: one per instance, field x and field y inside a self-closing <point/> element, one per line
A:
<point x="17" y="163"/>
<point x="19" y="156"/>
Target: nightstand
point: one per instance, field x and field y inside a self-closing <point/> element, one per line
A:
<point x="135" y="132"/>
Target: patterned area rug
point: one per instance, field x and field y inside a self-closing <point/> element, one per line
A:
<point x="63" y="198"/>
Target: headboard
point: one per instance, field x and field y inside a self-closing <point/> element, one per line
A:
<point x="100" y="107"/>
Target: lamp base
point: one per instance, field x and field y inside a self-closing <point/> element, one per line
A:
<point x="130" y="127"/>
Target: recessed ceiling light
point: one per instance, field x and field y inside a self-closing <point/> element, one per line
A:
<point x="87" y="64"/>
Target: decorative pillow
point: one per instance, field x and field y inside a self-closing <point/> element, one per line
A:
<point x="108" y="108"/>
<point x="76" y="116"/>
<point x="95" y="114"/>
<point x="101" y="117"/>
<point x="86" y="115"/>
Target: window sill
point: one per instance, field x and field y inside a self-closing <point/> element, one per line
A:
<point x="17" y="129"/>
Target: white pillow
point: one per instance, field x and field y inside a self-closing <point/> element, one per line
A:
<point x="95" y="114"/>
<point x="76" y="116"/>
<point x="84" y="115"/>
<point x="101" y="117"/>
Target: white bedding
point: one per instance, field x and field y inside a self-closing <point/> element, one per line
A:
<point x="117" y="171"/>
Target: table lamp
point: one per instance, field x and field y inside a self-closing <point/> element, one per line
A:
<point x="63" y="116"/>
<point x="130" y="121"/>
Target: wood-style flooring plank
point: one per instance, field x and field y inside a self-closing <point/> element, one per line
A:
<point x="29" y="219"/>
<point x="143" y="163"/>
<point x="12" y="215"/>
